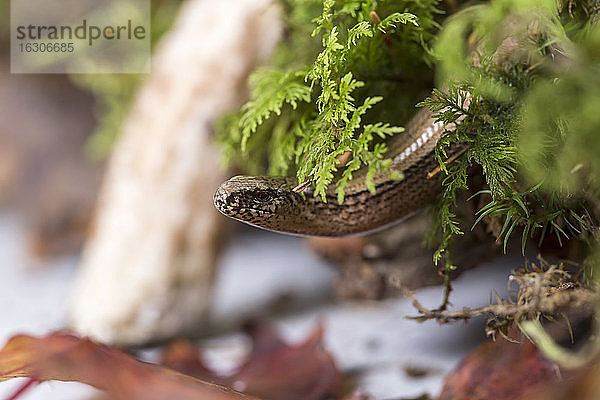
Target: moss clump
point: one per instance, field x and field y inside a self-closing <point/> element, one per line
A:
<point x="531" y="126"/>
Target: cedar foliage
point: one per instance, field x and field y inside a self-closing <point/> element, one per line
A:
<point x="349" y="73"/>
<point x="340" y="83"/>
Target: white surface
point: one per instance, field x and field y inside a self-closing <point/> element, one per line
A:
<point x="372" y="338"/>
<point x="258" y="267"/>
<point x="32" y="294"/>
<point x="33" y="298"/>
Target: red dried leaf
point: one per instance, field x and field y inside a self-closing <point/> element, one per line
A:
<point x="499" y="371"/>
<point x="274" y="370"/>
<point x="279" y="371"/>
<point x="68" y="358"/>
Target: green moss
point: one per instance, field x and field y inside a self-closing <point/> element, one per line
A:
<point x="533" y="123"/>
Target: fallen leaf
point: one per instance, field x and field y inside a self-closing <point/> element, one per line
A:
<point x="499" y="371"/>
<point x="274" y="370"/>
<point x="66" y="357"/>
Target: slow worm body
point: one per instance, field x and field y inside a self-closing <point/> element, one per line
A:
<point x="270" y="203"/>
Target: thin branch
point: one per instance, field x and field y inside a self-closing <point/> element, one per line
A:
<point x="545" y="290"/>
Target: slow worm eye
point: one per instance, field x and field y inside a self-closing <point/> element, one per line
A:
<point x="263" y="196"/>
<point x="232" y="200"/>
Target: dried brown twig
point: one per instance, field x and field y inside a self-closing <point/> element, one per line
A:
<point x="543" y="290"/>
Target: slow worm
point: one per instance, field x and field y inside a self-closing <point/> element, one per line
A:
<point x="271" y="203"/>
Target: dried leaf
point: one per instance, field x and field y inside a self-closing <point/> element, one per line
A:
<point x="66" y="357"/>
<point x="499" y="371"/>
<point x="274" y="370"/>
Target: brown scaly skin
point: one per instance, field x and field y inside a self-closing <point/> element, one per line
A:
<point x="270" y="203"/>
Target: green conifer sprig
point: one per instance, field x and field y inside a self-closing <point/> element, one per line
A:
<point x="271" y="90"/>
<point x="319" y="111"/>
